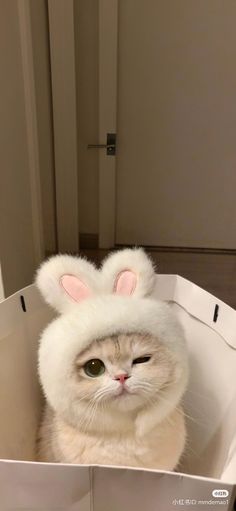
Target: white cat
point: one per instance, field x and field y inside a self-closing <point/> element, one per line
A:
<point x="113" y="366"/>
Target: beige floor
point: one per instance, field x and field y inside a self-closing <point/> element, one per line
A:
<point x="214" y="272"/>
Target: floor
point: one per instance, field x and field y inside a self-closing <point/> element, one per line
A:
<point x="214" y="272"/>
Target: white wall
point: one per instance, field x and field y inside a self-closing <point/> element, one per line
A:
<point x="41" y="61"/>
<point x="16" y="229"/>
<point x="18" y="219"/>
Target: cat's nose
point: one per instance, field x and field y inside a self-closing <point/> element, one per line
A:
<point x="122" y="377"/>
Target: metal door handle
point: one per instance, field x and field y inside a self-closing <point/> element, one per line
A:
<point x="100" y="146"/>
<point x="110" y="146"/>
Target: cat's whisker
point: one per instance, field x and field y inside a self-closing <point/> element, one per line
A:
<point x="85" y="413"/>
<point x="103" y="410"/>
<point x="93" y="414"/>
<point x="190" y="450"/>
<point x="199" y="394"/>
<point x="186" y="415"/>
<point x="100" y="391"/>
<point x="84" y="397"/>
<point x="88" y="417"/>
<point x="152" y="402"/>
<point x="99" y="395"/>
<point x="142" y="384"/>
<point x="189" y="417"/>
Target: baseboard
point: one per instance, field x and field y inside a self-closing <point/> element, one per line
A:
<point x="90" y="241"/>
<point x="190" y="250"/>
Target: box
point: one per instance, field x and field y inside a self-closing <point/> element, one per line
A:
<point x="207" y="476"/>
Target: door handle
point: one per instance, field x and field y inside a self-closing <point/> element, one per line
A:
<point x="110" y="146"/>
<point x="97" y="146"/>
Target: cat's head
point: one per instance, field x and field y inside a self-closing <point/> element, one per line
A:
<point x="114" y="347"/>
<point x="126" y="372"/>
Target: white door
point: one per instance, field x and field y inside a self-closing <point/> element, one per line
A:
<point x="176" y="123"/>
<point x="168" y="89"/>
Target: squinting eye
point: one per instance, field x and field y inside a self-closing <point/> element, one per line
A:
<point x="94" y="368"/>
<point x="141" y="360"/>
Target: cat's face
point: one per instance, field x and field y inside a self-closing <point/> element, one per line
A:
<point x="125" y="372"/>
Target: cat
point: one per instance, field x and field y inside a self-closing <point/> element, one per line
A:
<point x="126" y="386"/>
<point x="113" y="365"/>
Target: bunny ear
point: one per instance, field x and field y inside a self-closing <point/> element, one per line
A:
<point x="64" y="280"/>
<point x="75" y="288"/>
<point x="125" y="283"/>
<point x="129" y="272"/>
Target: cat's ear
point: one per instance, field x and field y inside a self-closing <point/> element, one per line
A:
<point x="129" y="272"/>
<point x="64" y="280"/>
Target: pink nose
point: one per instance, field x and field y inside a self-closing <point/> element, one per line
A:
<point x="121" y="377"/>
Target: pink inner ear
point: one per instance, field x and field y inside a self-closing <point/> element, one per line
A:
<point x="125" y="283"/>
<point x="75" y="288"/>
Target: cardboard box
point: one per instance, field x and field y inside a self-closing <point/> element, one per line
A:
<point x="207" y="475"/>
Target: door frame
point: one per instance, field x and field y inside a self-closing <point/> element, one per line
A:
<point x="64" y="104"/>
<point x="1" y="285"/>
<point x="107" y="58"/>
<point x="62" y="34"/>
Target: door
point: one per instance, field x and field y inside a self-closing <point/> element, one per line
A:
<point x="176" y="123"/>
<point x="168" y="89"/>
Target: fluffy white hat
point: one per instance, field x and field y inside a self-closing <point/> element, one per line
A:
<point x="118" y="298"/>
<point x="93" y="304"/>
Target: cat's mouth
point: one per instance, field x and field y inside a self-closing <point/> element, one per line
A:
<point x="123" y="391"/>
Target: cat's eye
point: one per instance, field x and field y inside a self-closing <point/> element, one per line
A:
<point x="141" y="360"/>
<point x="94" y="367"/>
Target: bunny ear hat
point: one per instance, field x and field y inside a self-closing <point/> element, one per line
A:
<point x="94" y="304"/>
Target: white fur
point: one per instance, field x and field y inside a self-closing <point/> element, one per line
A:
<point x="133" y="259"/>
<point x="98" y="281"/>
<point x="71" y="333"/>
<point x="103" y="315"/>
<point x="49" y="274"/>
<point x="115" y="441"/>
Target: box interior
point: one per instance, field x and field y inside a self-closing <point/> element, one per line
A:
<point x="209" y="402"/>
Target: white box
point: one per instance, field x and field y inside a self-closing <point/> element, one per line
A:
<point x="210" y="460"/>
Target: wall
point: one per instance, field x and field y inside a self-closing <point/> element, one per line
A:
<point x="40" y="47"/>
<point x="19" y="253"/>
<point x="16" y="229"/>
